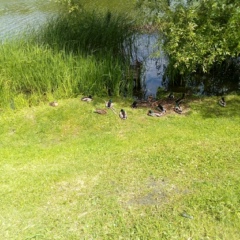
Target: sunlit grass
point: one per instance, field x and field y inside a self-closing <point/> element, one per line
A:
<point x="68" y="173"/>
<point x="66" y="57"/>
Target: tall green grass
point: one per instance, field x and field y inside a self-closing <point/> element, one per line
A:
<point x="88" y="32"/>
<point x="68" y="56"/>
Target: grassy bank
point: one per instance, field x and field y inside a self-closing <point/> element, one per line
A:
<point x="68" y="173"/>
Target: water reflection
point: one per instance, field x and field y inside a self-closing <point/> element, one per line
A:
<point x="222" y="79"/>
<point x="147" y="51"/>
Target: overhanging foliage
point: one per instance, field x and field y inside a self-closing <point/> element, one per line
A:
<point x="197" y="34"/>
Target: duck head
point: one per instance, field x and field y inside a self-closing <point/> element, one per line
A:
<point x="109" y="103"/>
<point x="123" y="112"/>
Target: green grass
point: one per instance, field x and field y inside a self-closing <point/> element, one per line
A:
<point x="68" y="173"/>
<point x="68" y="56"/>
<point x="32" y="74"/>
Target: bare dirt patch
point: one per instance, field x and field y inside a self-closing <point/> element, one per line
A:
<point x="154" y="192"/>
<point x="168" y="104"/>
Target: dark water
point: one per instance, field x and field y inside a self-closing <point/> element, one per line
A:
<point x="153" y="61"/>
<point x="221" y="80"/>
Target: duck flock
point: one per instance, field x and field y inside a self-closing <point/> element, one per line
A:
<point x="158" y="108"/>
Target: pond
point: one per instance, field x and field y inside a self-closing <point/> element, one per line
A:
<point x="153" y="66"/>
<point x="220" y="81"/>
<point x="17" y="16"/>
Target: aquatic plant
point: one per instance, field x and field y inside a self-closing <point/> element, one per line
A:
<point x="67" y="57"/>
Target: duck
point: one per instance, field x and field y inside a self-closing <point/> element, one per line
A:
<point x="222" y="102"/>
<point x="87" y="99"/>
<point x="177" y="108"/>
<point x="100" y="111"/>
<point x="123" y="114"/>
<point x="109" y="104"/>
<point x="134" y="104"/>
<point x="179" y="100"/>
<point x="150" y="98"/>
<point x="160" y="108"/>
<point x="171" y="95"/>
<point x="53" y="104"/>
<point x="151" y="113"/>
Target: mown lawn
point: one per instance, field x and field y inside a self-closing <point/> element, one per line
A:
<point x="68" y="173"/>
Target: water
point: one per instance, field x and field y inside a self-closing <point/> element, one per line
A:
<point x="153" y="66"/>
<point x="17" y="16"/>
<point x="221" y="81"/>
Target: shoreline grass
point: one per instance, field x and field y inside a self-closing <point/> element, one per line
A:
<point x="67" y="57"/>
<point x="67" y="173"/>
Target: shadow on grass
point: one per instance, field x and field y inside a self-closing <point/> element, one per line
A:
<point x="210" y="108"/>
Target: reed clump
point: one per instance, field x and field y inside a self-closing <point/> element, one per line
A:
<point x="67" y="57"/>
<point x="87" y="32"/>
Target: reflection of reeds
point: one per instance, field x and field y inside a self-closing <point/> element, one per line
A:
<point x="66" y="58"/>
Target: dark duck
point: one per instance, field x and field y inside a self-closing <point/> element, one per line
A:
<point x="134" y="104"/>
<point x="171" y="95"/>
<point x="109" y="104"/>
<point x="177" y="107"/>
<point x="179" y="100"/>
<point x="123" y="114"/>
<point x="152" y="113"/>
<point x="160" y="108"/>
<point x="222" y="102"/>
<point x="87" y="99"/>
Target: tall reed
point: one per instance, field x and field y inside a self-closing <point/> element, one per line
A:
<point x="87" y="32"/>
<point x="67" y="57"/>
